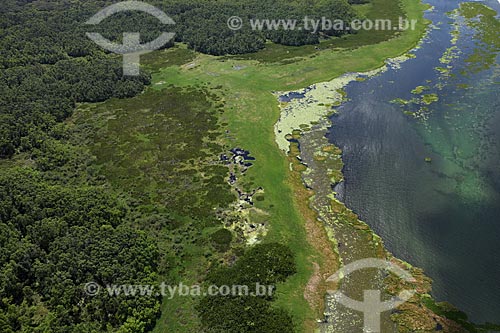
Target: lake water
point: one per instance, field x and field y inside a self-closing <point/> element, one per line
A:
<point x="444" y="215"/>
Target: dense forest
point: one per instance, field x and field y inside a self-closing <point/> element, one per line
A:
<point x="61" y="222"/>
<point x="203" y="25"/>
<point x="56" y="238"/>
<point x="48" y="64"/>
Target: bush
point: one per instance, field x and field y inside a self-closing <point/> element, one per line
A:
<point x="221" y="239"/>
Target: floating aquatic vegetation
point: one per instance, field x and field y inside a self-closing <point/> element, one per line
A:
<point x="442" y="70"/>
<point x="429" y="98"/>
<point x="470" y="18"/>
<point x="298" y="113"/>
<point x="487" y="31"/>
<point x="420" y="89"/>
<point x="401" y="101"/>
<point x="315" y="102"/>
<point x="450" y="54"/>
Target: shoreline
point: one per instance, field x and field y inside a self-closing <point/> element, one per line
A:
<point x="304" y="119"/>
<point x="251" y="115"/>
<point x="307" y="116"/>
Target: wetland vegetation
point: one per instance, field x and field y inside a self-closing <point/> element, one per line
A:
<point x="120" y="180"/>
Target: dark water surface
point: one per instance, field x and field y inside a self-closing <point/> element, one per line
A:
<point x="443" y="216"/>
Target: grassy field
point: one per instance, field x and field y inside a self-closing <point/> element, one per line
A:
<point x="160" y="148"/>
<point x="245" y="84"/>
<point x="252" y="110"/>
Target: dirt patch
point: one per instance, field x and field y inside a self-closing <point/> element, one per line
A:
<point x="326" y="261"/>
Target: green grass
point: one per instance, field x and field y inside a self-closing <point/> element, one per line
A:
<point x="159" y="141"/>
<point x="251" y="112"/>
<point x="363" y="9"/>
<point x="133" y="155"/>
<point x="174" y="56"/>
<point x="161" y="148"/>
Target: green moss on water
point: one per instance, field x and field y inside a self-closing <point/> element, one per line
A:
<point x="296" y="134"/>
<point x="442" y="70"/>
<point x="400" y="101"/>
<point x="420" y="89"/>
<point x="429" y="98"/>
<point x="483" y="20"/>
<point x="449" y="55"/>
<point x="342" y="92"/>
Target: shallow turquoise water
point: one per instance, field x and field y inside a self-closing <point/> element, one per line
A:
<point x="442" y="216"/>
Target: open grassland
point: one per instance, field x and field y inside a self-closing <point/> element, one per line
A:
<point x="245" y="86"/>
<point x="161" y="149"/>
<point x="252" y="111"/>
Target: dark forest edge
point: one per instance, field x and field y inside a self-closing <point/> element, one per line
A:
<point x="48" y="64"/>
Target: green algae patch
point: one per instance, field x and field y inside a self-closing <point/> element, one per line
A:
<point x="331" y="149"/>
<point x="303" y="112"/>
<point x="296" y="134"/>
<point x="487" y="30"/>
<point x="442" y="70"/>
<point x="420" y="89"/>
<point x="450" y="312"/>
<point x="400" y="101"/>
<point x="449" y="55"/>
<point x="429" y="98"/>
<point x="319" y="158"/>
<point x="470" y="16"/>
